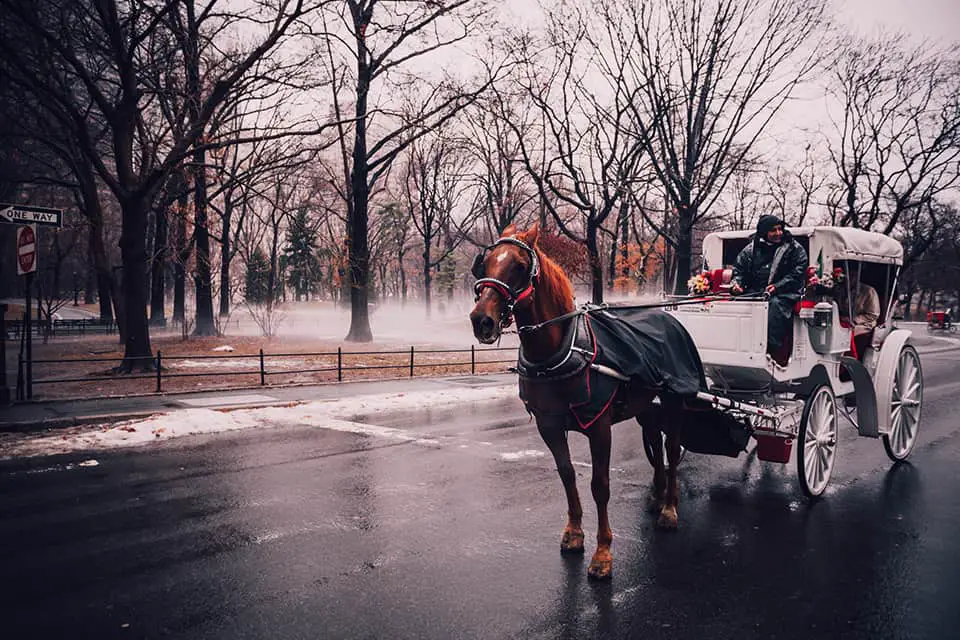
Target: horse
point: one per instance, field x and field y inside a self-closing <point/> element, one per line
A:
<point x="516" y="280"/>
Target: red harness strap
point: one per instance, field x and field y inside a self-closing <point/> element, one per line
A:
<point x="526" y="294"/>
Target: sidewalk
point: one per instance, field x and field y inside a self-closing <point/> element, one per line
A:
<point x="34" y="416"/>
<point x="39" y="415"/>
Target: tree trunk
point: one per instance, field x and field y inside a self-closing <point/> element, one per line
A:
<point x="612" y="264"/>
<point x="98" y="252"/>
<point x="90" y="285"/>
<point x="359" y="252"/>
<point x="625" y="244"/>
<point x="596" y="266"/>
<point x="403" y="280"/>
<point x="101" y="268"/>
<point x="427" y="280"/>
<point x="684" y="251"/>
<point x="225" y="258"/>
<point x="907" y="306"/>
<point x="183" y="254"/>
<point x="157" y="268"/>
<point x="204" y="291"/>
<point x="137" y="354"/>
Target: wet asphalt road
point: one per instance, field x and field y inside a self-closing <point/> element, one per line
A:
<point x="292" y="533"/>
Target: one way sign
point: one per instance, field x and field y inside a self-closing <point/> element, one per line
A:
<point x="23" y="214"/>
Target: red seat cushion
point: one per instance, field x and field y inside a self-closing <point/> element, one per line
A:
<point x="720" y="279"/>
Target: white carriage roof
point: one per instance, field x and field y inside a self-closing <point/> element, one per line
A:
<point x="837" y="243"/>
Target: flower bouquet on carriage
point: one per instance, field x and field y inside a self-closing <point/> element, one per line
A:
<point x="820" y="285"/>
<point x="717" y="281"/>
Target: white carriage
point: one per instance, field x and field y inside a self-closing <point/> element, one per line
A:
<point x="803" y="399"/>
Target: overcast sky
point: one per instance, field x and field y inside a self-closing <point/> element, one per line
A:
<point x="936" y="19"/>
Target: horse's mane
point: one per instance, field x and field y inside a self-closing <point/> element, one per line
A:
<point x="553" y="279"/>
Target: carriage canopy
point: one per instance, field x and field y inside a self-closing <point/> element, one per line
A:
<point x="832" y="243"/>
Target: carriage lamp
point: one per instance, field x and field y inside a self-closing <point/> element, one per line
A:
<point x="821" y="326"/>
<point x="823" y="315"/>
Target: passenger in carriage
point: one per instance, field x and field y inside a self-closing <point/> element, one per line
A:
<point x="772" y="263"/>
<point x="866" y="309"/>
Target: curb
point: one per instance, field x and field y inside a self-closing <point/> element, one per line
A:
<point x="30" y="426"/>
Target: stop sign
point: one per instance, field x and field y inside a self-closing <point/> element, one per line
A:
<point x="26" y="250"/>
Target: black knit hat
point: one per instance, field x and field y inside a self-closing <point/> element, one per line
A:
<point x="768" y="222"/>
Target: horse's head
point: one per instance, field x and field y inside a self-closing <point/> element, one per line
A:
<point x="506" y="273"/>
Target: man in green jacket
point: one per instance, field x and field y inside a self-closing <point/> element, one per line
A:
<point x="772" y="263"/>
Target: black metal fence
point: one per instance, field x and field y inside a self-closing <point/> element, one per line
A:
<point x="79" y="327"/>
<point x="263" y="365"/>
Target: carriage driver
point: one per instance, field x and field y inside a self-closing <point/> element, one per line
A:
<point x="772" y="263"/>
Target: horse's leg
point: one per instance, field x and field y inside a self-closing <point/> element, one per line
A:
<point x="653" y="437"/>
<point x="601" y="566"/>
<point x="555" y="438"/>
<point x="674" y="424"/>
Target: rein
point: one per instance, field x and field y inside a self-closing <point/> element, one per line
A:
<point x="588" y="307"/>
<point x="511" y="297"/>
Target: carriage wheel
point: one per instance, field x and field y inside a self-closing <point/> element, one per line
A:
<point x="648" y="449"/>
<point x="905" y="404"/>
<point x="817" y="441"/>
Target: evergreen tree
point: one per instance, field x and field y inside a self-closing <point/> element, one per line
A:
<point x="258" y="275"/>
<point x="300" y="256"/>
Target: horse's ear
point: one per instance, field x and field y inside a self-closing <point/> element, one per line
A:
<point x="532" y="234"/>
<point x="511" y="230"/>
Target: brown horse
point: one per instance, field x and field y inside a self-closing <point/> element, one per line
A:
<point x="515" y="279"/>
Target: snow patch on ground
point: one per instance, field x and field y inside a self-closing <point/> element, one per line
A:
<point x="245" y="363"/>
<point x="224" y="348"/>
<point x="343" y="414"/>
<point x="515" y="456"/>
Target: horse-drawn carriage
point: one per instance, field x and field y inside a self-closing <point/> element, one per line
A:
<point x="940" y="321"/>
<point x="699" y="374"/>
<point x="803" y="399"/>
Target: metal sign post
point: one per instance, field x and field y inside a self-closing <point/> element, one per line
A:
<point x="27" y="266"/>
<point x="4" y="389"/>
<point x="28" y="327"/>
<point x="27" y="247"/>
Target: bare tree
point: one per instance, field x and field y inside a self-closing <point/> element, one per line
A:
<point x="433" y="182"/>
<point x="501" y="185"/>
<point x="383" y="38"/>
<point x="109" y="51"/>
<point x="716" y="71"/>
<point x="590" y="162"/>
<point x="895" y="148"/>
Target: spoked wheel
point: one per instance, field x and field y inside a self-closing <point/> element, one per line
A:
<point x="648" y="449"/>
<point x="817" y="441"/>
<point x="905" y="404"/>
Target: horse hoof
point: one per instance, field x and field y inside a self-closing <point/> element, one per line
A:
<point x="600" y="569"/>
<point x="571" y="542"/>
<point x="668" y="519"/>
<point x="654" y="504"/>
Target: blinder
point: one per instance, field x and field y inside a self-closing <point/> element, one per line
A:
<point x="477" y="268"/>
<point x="510" y="296"/>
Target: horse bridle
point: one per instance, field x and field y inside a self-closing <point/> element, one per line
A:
<point x="509" y="295"/>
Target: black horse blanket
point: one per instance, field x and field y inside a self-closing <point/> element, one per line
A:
<point x="648" y="346"/>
